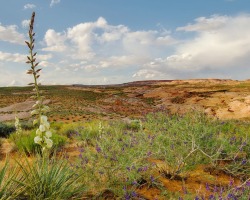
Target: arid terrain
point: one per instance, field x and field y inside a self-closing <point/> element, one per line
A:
<point x="223" y="99"/>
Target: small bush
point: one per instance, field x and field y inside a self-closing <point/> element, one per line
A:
<point x="6" y="130"/>
<point x="25" y="142"/>
<point x="115" y="154"/>
<point x="27" y="125"/>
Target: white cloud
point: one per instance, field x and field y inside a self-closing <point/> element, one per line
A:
<point x="103" y="45"/>
<point x="29" y="6"/>
<point x="53" y="2"/>
<point x="224" y="47"/>
<point x="148" y="74"/>
<point x="121" y="61"/>
<point x="206" y="24"/>
<point x="10" y="34"/>
<point x="16" y="57"/>
<point x="93" y="51"/>
<point x="218" y="49"/>
<point x="25" y="23"/>
<point x="54" y="41"/>
<point x="21" y="58"/>
<point x="43" y="57"/>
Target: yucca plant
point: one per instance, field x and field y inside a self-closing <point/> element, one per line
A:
<point x="43" y="132"/>
<point x="49" y="179"/>
<point x="9" y="189"/>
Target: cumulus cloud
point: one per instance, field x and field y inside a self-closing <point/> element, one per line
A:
<point x="216" y="49"/>
<point x="206" y="24"/>
<point x="16" y="57"/>
<point x="29" y="6"/>
<point x="10" y="34"/>
<point x="25" y="23"/>
<point x="21" y="58"/>
<point x="103" y="45"/>
<point x="91" y="52"/>
<point x="219" y="48"/>
<point x="227" y="45"/>
<point x="53" y="2"/>
<point x="54" y="41"/>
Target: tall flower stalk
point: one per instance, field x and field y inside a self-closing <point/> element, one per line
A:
<point x="43" y="133"/>
<point x="18" y="126"/>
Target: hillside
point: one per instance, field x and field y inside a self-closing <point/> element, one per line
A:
<point x="223" y="99"/>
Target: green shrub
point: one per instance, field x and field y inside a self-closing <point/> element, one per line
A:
<point x="115" y="154"/>
<point x="27" y="125"/>
<point x="183" y="142"/>
<point x="25" y="142"/>
<point x="6" y="129"/>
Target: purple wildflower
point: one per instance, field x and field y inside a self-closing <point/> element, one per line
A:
<point x="211" y="197"/>
<point x="248" y="183"/>
<point x="133" y="194"/>
<point x="231" y="183"/>
<point x="207" y="187"/>
<point x="127" y="196"/>
<point x="98" y="149"/>
<point x="244" y="161"/>
<point x="149" y="153"/>
<point x="134" y="183"/>
<point x="231" y="196"/>
<point x="145" y="168"/>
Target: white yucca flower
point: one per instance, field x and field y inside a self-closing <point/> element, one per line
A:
<point x="48" y="142"/>
<point x="42" y="128"/>
<point x="43" y="119"/>
<point x="38" y="140"/>
<point x="18" y="125"/>
<point x="48" y="134"/>
<point x="43" y="133"/>
<point x="38" y="132"/>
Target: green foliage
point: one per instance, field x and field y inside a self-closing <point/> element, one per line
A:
<point x="186" y="141"/>
<point x="6" y="129"/>
<point x="27" y="125"/>
<point x="134" y="125"/>
<point x="49" y="179"/>
<point x="114" y="154"/>
<point x="9" y="189"/>
<point x="25" y="142"/>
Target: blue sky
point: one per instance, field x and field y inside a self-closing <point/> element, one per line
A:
<point x="115" y="41"/>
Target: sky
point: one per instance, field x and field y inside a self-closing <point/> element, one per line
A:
<point x="118" y="41"/>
